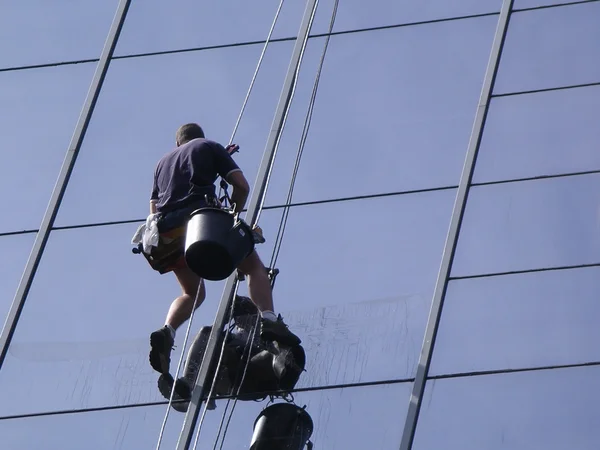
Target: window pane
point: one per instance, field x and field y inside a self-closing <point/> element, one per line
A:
<point x="378" y="410"/>
<point x="549" y="48"/>
<point x="359" y="14"/>
<point x="158" y="26"/>
<point x="89" y="315"/>
<point x="346" y="266"/>
<point x="410" y="132"/>
<point x="39" y="110"/>
<point x="39" y="32"/>
<point x="16" y="250"/>
<point x="517" y="321"/>
<point x="529" y="225"/>
<point x="141" y="106"/>
<point x="540" y="134"/>
<point x="375" y="412"/>
<point x="533" y="3"/>
<point x="553" y="410"/>
<point x="130" y="428"/>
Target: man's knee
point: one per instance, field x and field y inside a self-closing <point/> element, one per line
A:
<point x="190" y="282"/>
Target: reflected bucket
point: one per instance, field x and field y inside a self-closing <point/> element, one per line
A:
<point x="282" y="426"/>
<point x="216" y="243"/>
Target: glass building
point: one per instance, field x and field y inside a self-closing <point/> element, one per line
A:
<point x="441" y="257"/>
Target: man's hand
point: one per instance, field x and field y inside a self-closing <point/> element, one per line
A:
<point x="232" y="148"/>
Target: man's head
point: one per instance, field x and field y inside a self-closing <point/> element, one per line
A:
<point x="188" y="132"/>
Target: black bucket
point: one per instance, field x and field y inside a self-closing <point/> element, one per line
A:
<point x="282" y="426"/>
<point x="216" y="243"/>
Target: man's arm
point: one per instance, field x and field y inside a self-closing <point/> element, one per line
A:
<point x="241" y="189"/>
<point x="231" y="172"/>
<point x="154" y="194"/>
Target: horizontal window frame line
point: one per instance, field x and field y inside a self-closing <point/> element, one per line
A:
<point x="332" y="200"/>
<point x="555" y="5"/>
<point x="272" y="207"/>
<point x="63" y="412"/>
<point x="256" y="42"/>
<point x="510" y="371"/>
<point x="552" y="89"/>
<point x="525" y="271"/>
<point x="538" y="178"/>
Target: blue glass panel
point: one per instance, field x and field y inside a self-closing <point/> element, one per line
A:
<point x="40" y="32"/>
<point x="346" y="265"/>
<point x="141" y="106"/>
<point x="86" y="325"/>
<point x="549" y="48"/>
<point x="553" y="410"/>
<point x="39" y="110"/>
<point x="161" y="26"/>
<point x="96" y="430"/>
<point x="15" y="251"/>
<point x="375" y="411"/>
<point x="533" y="3"/>
<point x="538" y="134"/>
<point x="530" y="225"/>
<point x="519" y="321"/>
<point x="360" y="14"/>
<point x="394" y="111"/>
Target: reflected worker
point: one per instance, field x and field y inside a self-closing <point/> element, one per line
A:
<point x="184" y="180"/>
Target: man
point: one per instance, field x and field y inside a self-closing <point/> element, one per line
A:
<point x="183" y="182"/>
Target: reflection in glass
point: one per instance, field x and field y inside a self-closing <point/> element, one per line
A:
<point x="86" y="325"/>
<point x="346" y="266"/>
<point x="39" y="110"/>
<point x="88" y="316"/>
<point x="517" y="321"/>
<point x="350" y="418"/>
<point x="373" y="411"/>
<point x="530" y="225"/>
<point x="40" y="32"/>
<point x="15" y="251"/>
<point x="400" y="127"/>
<point x="145" y="100"/>
<point x="549" y="48"/>
<point x="550" y="409"/>
<point x="359" y="14"/>
<point x="548" y="133"/>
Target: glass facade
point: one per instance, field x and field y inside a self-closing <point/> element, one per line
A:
<point x="428" y="322"/>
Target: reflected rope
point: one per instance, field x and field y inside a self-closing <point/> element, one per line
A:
<point x="283" y="222"/>
<point x="169" y="405"/>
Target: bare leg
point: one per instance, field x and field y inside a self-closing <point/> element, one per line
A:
<point x="259" y="285"/>
<point x="161" y="341"/>
<point x="182" y="306"/>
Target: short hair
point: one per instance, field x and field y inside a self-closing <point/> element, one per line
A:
<point x="188" y="132"/>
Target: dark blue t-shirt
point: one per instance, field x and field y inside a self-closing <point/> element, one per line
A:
<point x="186" y="174"/>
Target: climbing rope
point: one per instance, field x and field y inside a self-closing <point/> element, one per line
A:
<point x="283" y="222"/>
<point x="240" y="115"/>
<point x="223" y="184"/>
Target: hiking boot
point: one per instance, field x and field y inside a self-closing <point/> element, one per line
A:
<point x="161" y="344"/>
<point x="278" y="331"/>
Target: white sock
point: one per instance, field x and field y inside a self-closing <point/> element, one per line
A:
<point x="269" y="315"/>
<point x="171" y="329"/>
